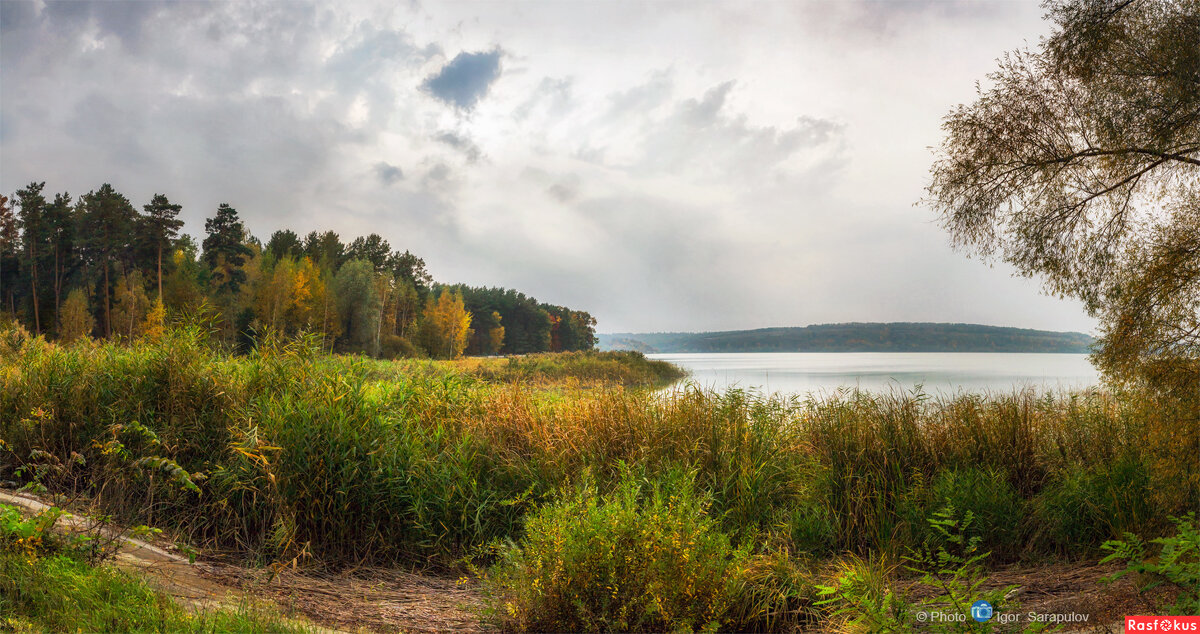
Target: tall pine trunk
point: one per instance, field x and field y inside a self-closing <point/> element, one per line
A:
<point x="160" y="272"/>
<point x="37" y="320"/>
<point x="57" y="283"/>
<point x="107" y="305"/>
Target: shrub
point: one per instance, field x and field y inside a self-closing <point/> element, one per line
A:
<point x="647" y="557"/>
<point x="1083" y="507"/>
<point x="997" y="510"/>
<point x="397" y="347"/>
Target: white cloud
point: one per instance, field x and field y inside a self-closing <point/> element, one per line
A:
<point x="664" y="166"/>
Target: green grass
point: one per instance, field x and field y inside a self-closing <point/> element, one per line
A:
<point x="358" y="461"/>
<point x="59" y="594"/>
<point x="586" y="368"/>
<point x="52" y="581"/>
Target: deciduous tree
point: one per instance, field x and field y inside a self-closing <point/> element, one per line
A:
<point x="1080" y="164"/>
<point x="130" y="306"/>
<point x="358" y="305"/>
<point x="446" y="326"/>
<point x="75" y="319"/>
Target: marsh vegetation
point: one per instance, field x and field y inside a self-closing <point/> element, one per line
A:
<point x="577" y="493"/>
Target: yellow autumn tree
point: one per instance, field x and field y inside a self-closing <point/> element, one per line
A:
<point x="156" y="321"/>
<point x="314" y="305"/>
<point x="273" y="296"/>
<point x="75" y="319"/>
<point x="130" y="306"/>
<point x="306" y="286"/>
<point x="496" y="334"/>
<point x="447" y="325"/>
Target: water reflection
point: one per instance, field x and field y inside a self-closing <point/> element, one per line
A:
<point x="937" y="372"/>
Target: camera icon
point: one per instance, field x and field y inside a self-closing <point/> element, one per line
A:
<point x="981" y="611"/>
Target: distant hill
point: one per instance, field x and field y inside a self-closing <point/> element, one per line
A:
<point x="856" y="337"/>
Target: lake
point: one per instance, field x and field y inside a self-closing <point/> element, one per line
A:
<point x="938" y="372"/>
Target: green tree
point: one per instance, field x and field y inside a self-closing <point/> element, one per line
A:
<point x="161" y="226"/>
<point x="10" y="245"/>
<point x="407" y="306"/>
<point x="60" y="222"/>
<point x="372" y="248"/>
<point x="359" y="307"/>
<point x="34" y="234"/>
<point x="183" y="288"/>
<point x="106" y="228"/>
<point x="1079" y="165"/>
<point x="412" y="268"/>
<point x="326" y="249"/>
<point x="225" y="250"/>
<point x="570" y="329"/>
<point x="285" y="244"/>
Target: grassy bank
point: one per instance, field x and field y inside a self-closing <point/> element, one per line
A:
<point x="288" y="451"/>
<point x="52" y="583"/>
<point x="590" y="368"/>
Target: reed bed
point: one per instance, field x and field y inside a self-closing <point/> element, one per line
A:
<point x="287" y="453"/>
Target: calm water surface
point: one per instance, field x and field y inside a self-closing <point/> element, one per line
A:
<point x="938" y="372"/>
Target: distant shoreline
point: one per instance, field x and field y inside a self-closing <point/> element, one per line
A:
<point x="857" y="337"/>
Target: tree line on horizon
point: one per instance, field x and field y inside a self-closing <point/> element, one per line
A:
<point x="96" y="267"/>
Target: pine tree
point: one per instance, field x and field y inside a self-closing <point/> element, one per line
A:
<point x="33" y="235"/>
<point x="10" y="243"/>
<point x="225" y="250"/>
<point x="107" y="229"/>
<point x="160" y="227"/>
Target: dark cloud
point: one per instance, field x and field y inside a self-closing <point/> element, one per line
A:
<point x="462" y="143"/>
<point x="387" y="173"/>
<point x="110" y="129"/>
<point x="466" y="79"/>
<point x="16" y="15"/>
<point x="566" y="189"/>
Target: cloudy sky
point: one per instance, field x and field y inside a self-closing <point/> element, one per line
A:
<point x="664" y="165"/>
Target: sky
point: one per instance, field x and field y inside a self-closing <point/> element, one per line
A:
<point x="666" y="166"/>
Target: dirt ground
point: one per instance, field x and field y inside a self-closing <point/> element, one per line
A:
<point x="386" y="600"/>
